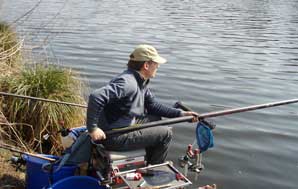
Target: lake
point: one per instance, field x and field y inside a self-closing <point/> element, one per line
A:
<point x="221" y="55"/>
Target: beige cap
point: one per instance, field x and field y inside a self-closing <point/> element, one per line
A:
<point x="146" y="53"/>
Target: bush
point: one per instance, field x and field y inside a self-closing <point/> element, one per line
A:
<point x="40" y="118"/>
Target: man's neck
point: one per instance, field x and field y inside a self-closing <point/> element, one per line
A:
<point x="142" y="75"/>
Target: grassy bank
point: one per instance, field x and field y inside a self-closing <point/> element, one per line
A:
<point x="24" y="122"/>
<point x="37" y="118"/>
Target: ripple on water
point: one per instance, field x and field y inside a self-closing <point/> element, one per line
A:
<point x="222" y="54"/>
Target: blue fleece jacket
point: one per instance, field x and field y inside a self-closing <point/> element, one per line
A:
<point x="123" y="100"/>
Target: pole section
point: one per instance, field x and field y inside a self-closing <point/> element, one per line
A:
<point x="43" y="99"/>
<point x="247" y="108"/>
<point x="7" y="147"/>
<point x="201" y="116"/>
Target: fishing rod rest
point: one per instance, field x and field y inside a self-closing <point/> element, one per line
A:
<point x="192" y="160"/>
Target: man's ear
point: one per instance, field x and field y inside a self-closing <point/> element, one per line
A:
<point x="146" y="66"/>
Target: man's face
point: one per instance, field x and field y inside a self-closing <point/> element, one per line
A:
<point x="151" y="69"/>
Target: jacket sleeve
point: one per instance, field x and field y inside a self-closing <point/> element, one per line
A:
<point x="155" y="108"/>
<point x="99" y="98"/>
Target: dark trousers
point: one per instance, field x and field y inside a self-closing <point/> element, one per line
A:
<point x="155" y="140"/>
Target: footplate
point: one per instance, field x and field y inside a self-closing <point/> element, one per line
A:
<point x="160" y="176"/>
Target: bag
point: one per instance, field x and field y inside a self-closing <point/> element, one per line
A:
<point x="204" y="136"/>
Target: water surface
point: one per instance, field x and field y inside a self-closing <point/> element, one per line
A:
<point x="221" y="54"/>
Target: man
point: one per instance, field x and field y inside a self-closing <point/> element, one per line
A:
<point x="127" y="100"/>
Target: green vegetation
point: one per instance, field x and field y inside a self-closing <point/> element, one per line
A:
<point x="23" y="122"/>
<point x="26" y="121"/>
<point x="45" y="82"/>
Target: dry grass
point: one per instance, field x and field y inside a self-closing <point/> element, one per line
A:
<point x="10" y="50"/>
<point x="23" y="122"/>
<point x="32" y="119"/>
<point x="28" y="119"/>
<point x="9" y="177"/>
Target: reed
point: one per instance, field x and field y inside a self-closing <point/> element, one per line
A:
<point x="10" y="50"/>
<point x="9" y="64"/>
<point x="36" y="118"/>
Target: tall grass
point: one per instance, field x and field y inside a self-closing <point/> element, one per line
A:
<point x="9" y="63"/>
<point x="40" y="118"/>
<point x="10" y="49"/>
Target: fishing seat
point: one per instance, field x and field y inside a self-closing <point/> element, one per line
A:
<point x="114" y="161"/>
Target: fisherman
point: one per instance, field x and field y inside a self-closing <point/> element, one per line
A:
<point x="128" y="101"/>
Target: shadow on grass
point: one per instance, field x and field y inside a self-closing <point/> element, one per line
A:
<point x="11" y="182"/>
<point x="9" y="177"/>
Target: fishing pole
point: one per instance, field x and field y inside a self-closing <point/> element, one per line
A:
<point x="12" y="149"/>
<point x="174" y="121"/>
<point x="167" y="121"/>
<point x="201" y="116"/>
<point x="43" y="99"/>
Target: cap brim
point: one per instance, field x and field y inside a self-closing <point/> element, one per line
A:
<point x="159" y="60"/>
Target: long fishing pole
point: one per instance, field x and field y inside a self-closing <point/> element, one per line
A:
<point x="12" y="149"/>
<point x="171" y="120"/>
<point x="201" y="116"/>
<point x="43" y="99"/>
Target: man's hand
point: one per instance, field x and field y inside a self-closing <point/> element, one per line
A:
<point x="190" y="113"/>
<point x="97" y="134"/>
